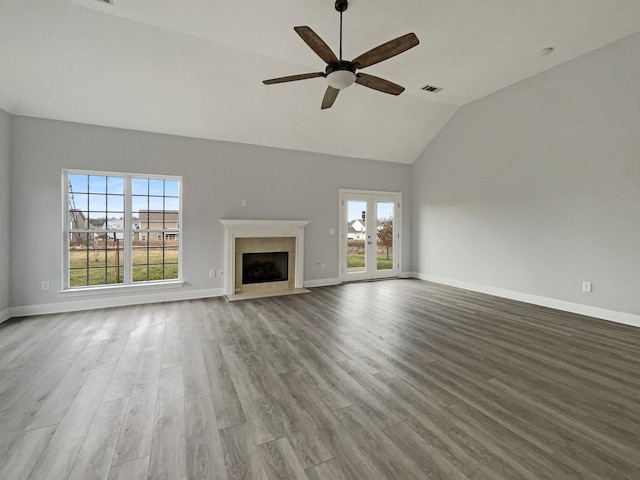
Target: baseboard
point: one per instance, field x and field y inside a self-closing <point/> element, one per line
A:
<point x="322" y="282"/>
<point x="105" y="302"/>
<point x="5" y="314"/>
<point x="601" y="313"/>
<point x="326" y="282"/>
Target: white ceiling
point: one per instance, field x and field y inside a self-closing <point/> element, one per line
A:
<point x="195" y="67"/>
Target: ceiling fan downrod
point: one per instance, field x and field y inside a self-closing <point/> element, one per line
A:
<point x="341" y="6"/>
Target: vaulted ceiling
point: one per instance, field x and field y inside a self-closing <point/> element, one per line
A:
<point x="195" y="67"/>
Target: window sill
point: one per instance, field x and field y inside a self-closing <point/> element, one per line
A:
<point x="109" y="290"/>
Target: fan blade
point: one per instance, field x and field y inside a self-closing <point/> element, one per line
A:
<point x="387" y="50"/>
<point x="316" y="44"/>
<point x="379" y="84"/>
<point x="293" y="78"/>
<point x="329" y="97"/>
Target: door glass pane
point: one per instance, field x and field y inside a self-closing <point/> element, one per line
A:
<point x="356" y="236"/>
<point x="384" y="234"/>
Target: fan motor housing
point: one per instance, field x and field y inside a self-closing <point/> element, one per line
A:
<point x="341" y="65"/>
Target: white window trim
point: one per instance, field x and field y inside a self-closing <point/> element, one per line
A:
<point x="128" y="285"/>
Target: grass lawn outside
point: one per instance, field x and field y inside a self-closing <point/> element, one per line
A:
<point x="101" y="268"/>
<point x="356" y="260"/>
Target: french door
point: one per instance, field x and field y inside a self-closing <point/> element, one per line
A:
<point x="370" y="234"/>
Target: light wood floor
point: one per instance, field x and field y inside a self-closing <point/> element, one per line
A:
<point x="397" y="379"/>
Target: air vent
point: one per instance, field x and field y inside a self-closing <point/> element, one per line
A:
<point x="431" y="88"/>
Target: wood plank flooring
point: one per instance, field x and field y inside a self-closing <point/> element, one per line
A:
<point x="399" y="379"/>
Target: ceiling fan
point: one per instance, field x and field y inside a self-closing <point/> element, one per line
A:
<point x="341" y="73"/>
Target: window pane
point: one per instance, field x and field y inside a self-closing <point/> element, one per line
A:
<point x="140" y="238"/>
<point x="97" y="219"/>
<point x="114" y="254"/>
<point x="115" y="222"/>
<point x="115" y="203"/>
<point x="172" y="204"/>
<point x="97" y="184"/>
<point x="156" y="203"/>
<point x="97" y="203"/>
<point x="78" y="183"/>
<point x="78" y="220"/>
<point x="356" y="236"/>
<point x="78" y="277"/>
<point x="140" y="273"/>
<point x="143" y="218"/>
<point x="384" y="235"/>
<point x="97" y="254"/>
<point x="140" y="253"/>
<point x="79" y="201"/>
<point x="139" y="203"/>
<point x="172" y="188"/>
<point x="171" y="256"/>
<point x="115" y="185"/>
<point x="170" y="271"/>
<point x="171" y="219"/>
<point x="140" y="186"/>
<point x="155" y="273"/>
<point x="156" y="187"/>
<point x="171" y="243"/>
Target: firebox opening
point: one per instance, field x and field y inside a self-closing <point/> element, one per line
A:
<point x="265" y="267"/>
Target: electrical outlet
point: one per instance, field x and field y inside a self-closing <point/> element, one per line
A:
<point x="586" y="286"/>
<point x="212" y="274"/>
<point x="45" y="285"/>
<point x="323" y="266"/>
<point x="332" y="231"/>
<point x="243" y="203"/>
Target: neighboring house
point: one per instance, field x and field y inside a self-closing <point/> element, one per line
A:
<point x="356" y="230"/>
<point x="114" y="224"/>
<point x="77" y="221"/>
<point x="156" y="219"/>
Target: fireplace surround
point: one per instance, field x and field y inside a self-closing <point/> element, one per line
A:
<point x="263" y="237"/>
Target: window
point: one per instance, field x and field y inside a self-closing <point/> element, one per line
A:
<point x="121" y="229"/>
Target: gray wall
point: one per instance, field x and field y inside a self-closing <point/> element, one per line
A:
<point x="536" y="188"/>
<point x="5" y="182"/>
<point x="277" y="184"/>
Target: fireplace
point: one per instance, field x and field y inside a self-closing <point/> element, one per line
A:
<point x="265" y="267"/>
<point x="263" y="258"/>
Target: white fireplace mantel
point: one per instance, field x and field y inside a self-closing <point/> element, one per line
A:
<point x="261" y="228"/>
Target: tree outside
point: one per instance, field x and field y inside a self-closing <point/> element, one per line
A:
<point x="385" y="235"/>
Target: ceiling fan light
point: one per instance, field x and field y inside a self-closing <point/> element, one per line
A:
<point x="341" y="79"/>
